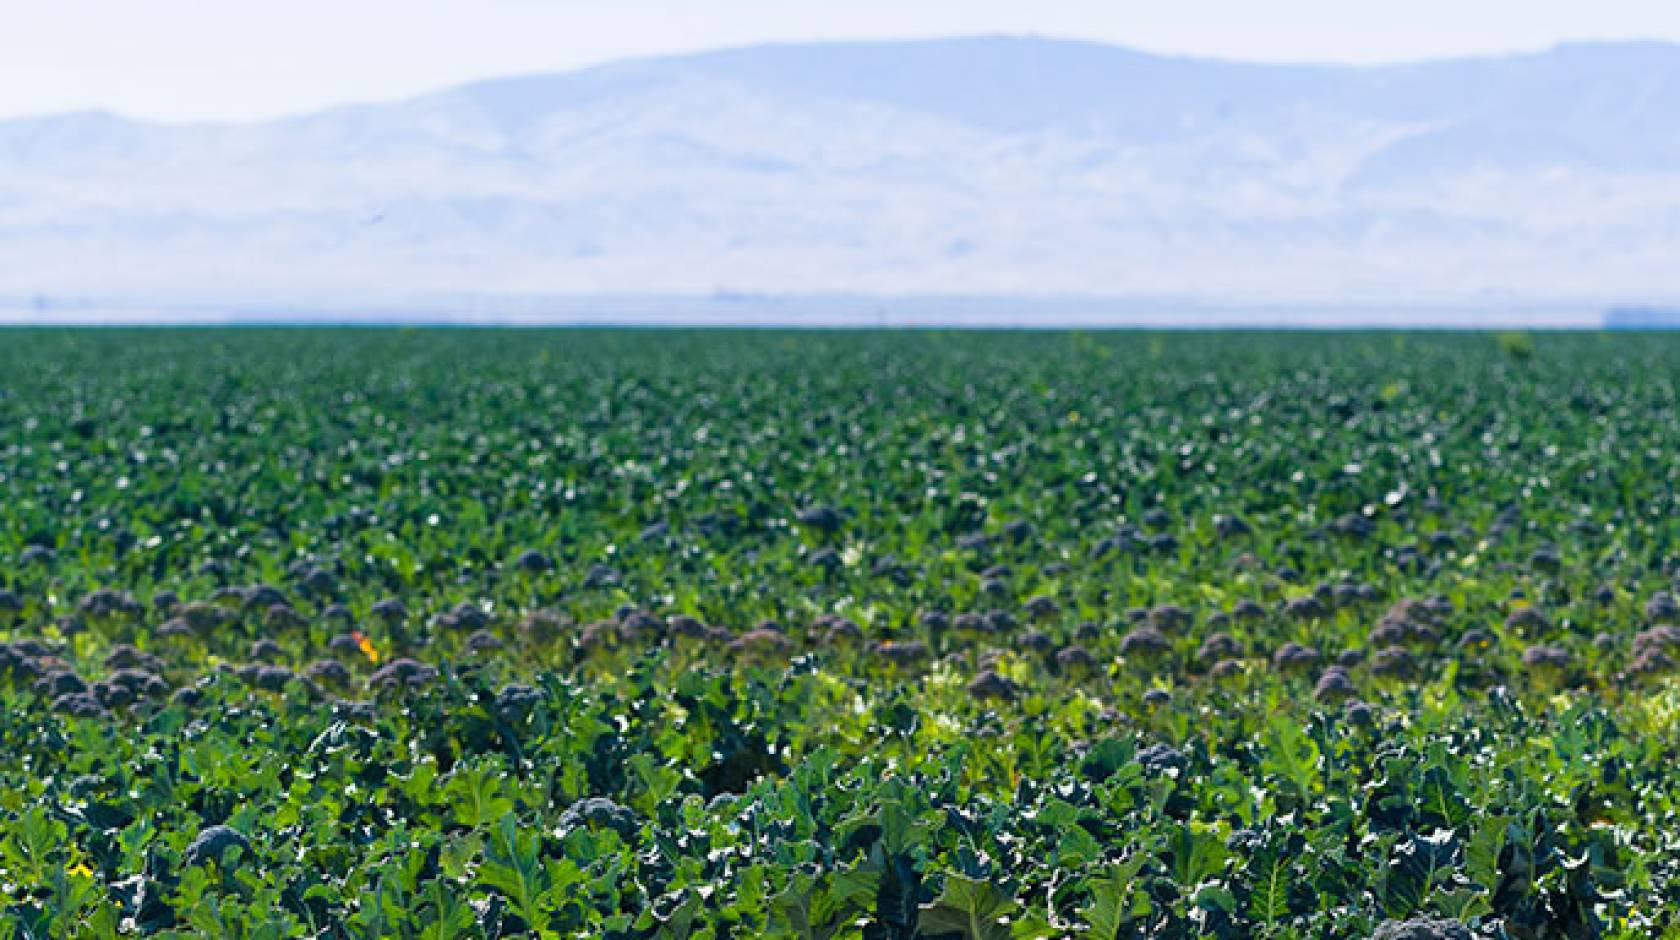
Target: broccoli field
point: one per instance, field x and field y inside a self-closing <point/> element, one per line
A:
<point x="886" y="635"/>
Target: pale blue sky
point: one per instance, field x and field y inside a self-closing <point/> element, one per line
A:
<point x="238" y="59"/>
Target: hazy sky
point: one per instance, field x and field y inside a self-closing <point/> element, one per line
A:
<point x="238" y="59"/>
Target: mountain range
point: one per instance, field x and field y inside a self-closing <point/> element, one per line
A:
<point x="973" y="167"/>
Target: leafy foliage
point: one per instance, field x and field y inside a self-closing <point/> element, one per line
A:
<point x="676" y="635"/>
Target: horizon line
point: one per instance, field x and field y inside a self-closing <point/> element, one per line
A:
<point x="867" y="312"/>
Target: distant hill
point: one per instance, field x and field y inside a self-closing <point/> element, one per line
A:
<point x="985" y="166"/>
<point x="1642" y="318"/>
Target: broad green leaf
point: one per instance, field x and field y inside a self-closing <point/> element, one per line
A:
<point x="1116" y="898"/>
<point x="973" y="910"/>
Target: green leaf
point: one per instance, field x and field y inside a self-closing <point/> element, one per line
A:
<point x="1417" y="863"/>
<point x="1290" y="753"/>
<point x="1115" y="898"/>
<point x="900" y="829"/>
<point x="513" y="867"/>
<point x="973" y="910"/>
<point x="1481" y="855"/>
<point x="1270" y="873"/>
<point x="1077" y="847"/>
<point x="855" y="885"/>
<point x="658" y="782"/>
<point x="1197" y="854"/>
<point x="1438" y="795"/>
<point x="447" y="915"/>
<point x="813" y="908"/>
<point x="1461" y="903"/>
<point x="1213" y="896"/>
<point x="476" y="797"/>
